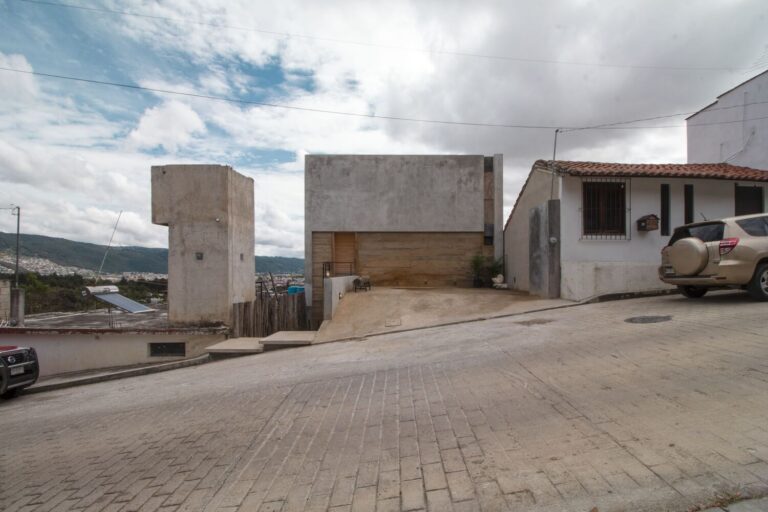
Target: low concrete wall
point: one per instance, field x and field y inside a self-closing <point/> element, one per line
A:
<point x="334" y="289"/>
<point x="586" y="280"/>
<point x="72" y="350"/>
<point x="5" y="301"/>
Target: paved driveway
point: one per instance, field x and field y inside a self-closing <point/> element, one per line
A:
<point x="559" y="410"/>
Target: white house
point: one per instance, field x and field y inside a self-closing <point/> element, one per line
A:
<point x="574" y="229"/>
<point x="734" y="128"/>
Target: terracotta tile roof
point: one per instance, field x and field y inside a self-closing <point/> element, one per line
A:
<point x="708" y="171"/>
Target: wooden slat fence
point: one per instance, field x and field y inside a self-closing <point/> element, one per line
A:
<point x="269" y="314"/>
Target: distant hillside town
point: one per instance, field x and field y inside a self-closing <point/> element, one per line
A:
<point x="48" y="255"/>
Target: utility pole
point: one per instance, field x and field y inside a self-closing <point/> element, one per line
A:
<point x="17" y="294"/>
<point x="18" y="231"/>
<point x="552" y="167"/>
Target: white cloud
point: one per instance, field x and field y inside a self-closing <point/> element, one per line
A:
<point x="64" y="155"/>
<point x="170" y="126"/>
<point x="21" y="87"/>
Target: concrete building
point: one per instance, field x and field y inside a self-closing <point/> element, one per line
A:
<point x="209" y="213"/>
<point x="734" y="128"/>
<point x="574" y="230"/>
<point x="403" y="220"/>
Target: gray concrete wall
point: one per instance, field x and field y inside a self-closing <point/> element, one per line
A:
<point x="394" y="193"/>
<point x="498" y="217"/>
<point x="334" y="289"/>
<point x="241" y="238"/>
<point x="741" y="137"/>
<point x="537" y="190"/>
<point x="81" y="350"/>
<point x="5" y="301"/>
<point x="209" y="212"/>
<point x="544" y="250"/>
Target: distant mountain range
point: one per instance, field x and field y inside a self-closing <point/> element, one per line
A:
<point x="120" y="259"/>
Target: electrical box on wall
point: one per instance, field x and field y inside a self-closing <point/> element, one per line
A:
<point x="648" y="223"/>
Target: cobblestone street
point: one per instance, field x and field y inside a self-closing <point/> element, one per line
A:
<point x="566" y="409"/>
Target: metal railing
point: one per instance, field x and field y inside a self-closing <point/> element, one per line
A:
<point x="338" y="268"/>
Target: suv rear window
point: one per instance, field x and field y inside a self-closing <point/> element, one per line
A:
<point x="757" y="226"/>
<point x="712" y="232"/>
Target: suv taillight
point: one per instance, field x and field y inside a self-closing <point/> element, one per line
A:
<point x="727" y="245"/>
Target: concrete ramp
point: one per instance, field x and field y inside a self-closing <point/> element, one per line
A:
<point x="286" y="339"/>
<point x="236" y="347"/>
<point x="384" y="310"/>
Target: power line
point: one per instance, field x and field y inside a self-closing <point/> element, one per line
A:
<point x="275" y="105"/>
<point x="607" y="126"/>
<point x="666" y="116"/>
<point x="293" y="35"/>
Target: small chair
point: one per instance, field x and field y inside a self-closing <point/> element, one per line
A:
<point x="362" y="283"/>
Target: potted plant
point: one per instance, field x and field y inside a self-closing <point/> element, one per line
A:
<point x="494" y="268"/>
<point x="478" y="265"/>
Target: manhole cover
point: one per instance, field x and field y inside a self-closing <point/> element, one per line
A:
<point x="648" y="319"/>
<point x="535" y="321"/>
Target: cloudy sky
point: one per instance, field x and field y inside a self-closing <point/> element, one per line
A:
<point x="74" y="154"/>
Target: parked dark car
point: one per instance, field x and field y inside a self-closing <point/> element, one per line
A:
<point x="18" y="369"/>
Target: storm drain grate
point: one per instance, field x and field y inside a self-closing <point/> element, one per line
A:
<point x="648" y="319"/>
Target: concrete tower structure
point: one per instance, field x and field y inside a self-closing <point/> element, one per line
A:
<point x="210" y="217"/>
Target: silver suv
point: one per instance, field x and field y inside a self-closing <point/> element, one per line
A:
<point x="731" y="252"/>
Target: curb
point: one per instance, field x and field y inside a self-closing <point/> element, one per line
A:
<point x="610" y="297"/>
<point x="133" y="372"/>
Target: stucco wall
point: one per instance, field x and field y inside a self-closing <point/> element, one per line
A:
<point x="208" y="210"/>
<point x="537" y="190"/>
<point x="741" y="138"/>
<point x="77" y="350"/>
<point x="597" y="267"/>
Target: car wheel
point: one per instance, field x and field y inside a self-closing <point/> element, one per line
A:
<point x="693" y="292"/>
<point x="758" y="287"/>
<point x="11" y="393"/>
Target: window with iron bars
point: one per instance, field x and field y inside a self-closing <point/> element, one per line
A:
<point x="605" y="208"/>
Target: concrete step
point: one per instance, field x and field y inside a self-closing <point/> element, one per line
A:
<point x="234" y="347"/>
<point x="286" y="339"/>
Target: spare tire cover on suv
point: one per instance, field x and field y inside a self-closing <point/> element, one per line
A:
<point x="688" y="256"/>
